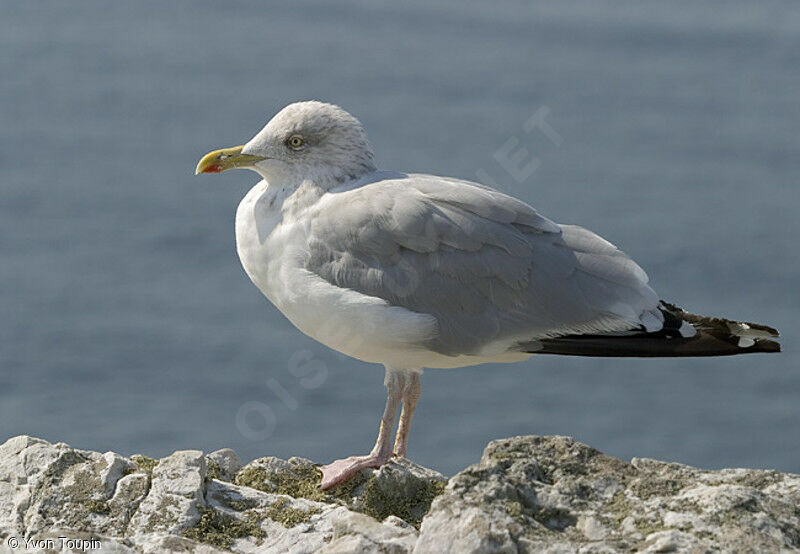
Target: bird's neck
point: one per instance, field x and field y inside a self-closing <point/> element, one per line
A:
<point x="301" y="197"/>
<point x="322" y="177"/>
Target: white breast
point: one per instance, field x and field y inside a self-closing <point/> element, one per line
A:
<point x="273" y="248"/>
<point x="257" y="217"/>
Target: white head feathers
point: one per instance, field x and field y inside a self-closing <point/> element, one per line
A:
<point x="312" y="141"/>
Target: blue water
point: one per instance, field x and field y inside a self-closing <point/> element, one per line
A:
<point x="128" y="324"/>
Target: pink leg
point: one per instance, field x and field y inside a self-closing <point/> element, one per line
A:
<point x="342" y="470"/>
<point x="411" y="394"/>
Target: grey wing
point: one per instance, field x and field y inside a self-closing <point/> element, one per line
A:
<point x="487" y="266"/>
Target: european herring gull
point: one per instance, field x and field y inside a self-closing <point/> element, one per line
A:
<point x="418" y="271"/>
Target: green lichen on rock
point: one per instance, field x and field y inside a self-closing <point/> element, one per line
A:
<point x="164" y="515"/>
<point x="298" y="481"/>
<point x="73" y="482"/>
<point x="398" y="492"/>
<point x="649" y="486"/>
<point x="515" y="510"/>
<point x="255" y="478"/>
<point x="555" y="519"/>
<point x="242" y="505"/>
<point x="213" y="470"/>
<point x="125" y="502"/>
<point x="621" y="507"/>
<point x="98" y="507"/>
<point x="346" y="493"/>
<point x="410" y="506"/>
<point x="551" y="519"/>
<point x="144" y="464"/>
<point x="221" y="530"/>
<point x="284" y="514"/>
<point x="649" y="526"/>
<point x="302" y="482"/>
<point x="85" y="486"/>
<point x="85" y="493"/>
<point x="233" y="500"/>
<point x="759" y="479"/>
<point x="618" y="508"/>
<point x="54" y="473"/>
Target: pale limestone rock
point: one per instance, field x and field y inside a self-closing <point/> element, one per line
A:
<point x="23" y="460"/>
<point x="527" y="494"/>
<point x="552" y="494"/>
<point x="354" y="532"/>
<point x="177" y="492"/>
<point x="159" y="543"/>
<point x="223" y="464"/>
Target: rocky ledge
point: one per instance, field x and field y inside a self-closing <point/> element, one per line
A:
<point x="527" y="494"/>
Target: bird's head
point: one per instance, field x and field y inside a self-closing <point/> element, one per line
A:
<point x="304" y="141"/>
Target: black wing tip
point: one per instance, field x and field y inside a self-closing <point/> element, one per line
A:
<point x="712" y="336"/>
<point x="719" y="321"/>
<point x="765" y="346"/>
<point x="646" y="345"/>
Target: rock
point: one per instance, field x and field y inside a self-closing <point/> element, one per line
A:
<point x="354" y="532"/>
<point x="195" y="503"/>
<point x="175" y="497"/>
<point x="552" y="494"/>
<point x="223" y="464"/>
<point x="527" y="494"/>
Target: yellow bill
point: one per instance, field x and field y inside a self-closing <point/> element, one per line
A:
<point x="224" y="159"/>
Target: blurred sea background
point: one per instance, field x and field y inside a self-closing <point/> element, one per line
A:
<point x="128" y="323"/>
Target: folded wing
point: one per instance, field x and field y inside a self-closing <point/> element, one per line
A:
<point x="490" y="269"/>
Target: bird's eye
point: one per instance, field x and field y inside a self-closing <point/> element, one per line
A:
<point x="295" y="141"/>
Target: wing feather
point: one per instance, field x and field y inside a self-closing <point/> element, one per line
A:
<point x="488" y="267"/>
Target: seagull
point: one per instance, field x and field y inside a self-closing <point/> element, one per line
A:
<point x="418" y="271"/>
